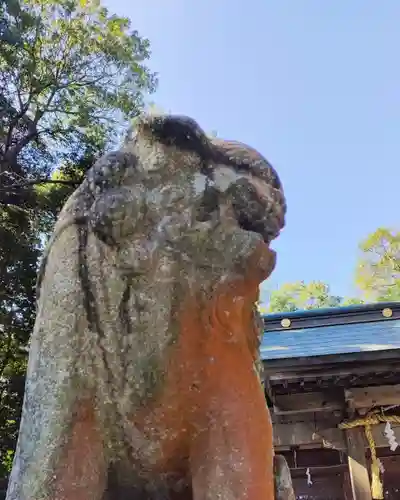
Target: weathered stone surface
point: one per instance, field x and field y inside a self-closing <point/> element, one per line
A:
<point x="283" y="481"/>
<point x="141" y="379"/>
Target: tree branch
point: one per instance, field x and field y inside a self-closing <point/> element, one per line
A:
<point x="40" y="181"/>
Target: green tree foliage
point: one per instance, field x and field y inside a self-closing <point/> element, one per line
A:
<point x="8" y="34"/>
<point x="378" y="270"/>
<point x="18" y="259"/>
<point x="377" y="277"/>
<point x="352" y="301"/>
<point x="77" y="75"/>
<point x="300" y="295"/>
<point x="72" y="76"/>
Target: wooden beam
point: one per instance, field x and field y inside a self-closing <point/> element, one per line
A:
<point x="358" y="369"/>
<point x="367" y="397"/>
<point x="307" y="402"/>
<point x="304" y="434"/>
<point x="315" y="435"/>
<point x="359" y="478"/>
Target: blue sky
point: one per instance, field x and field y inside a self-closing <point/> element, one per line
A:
<point x="314" y="86"/>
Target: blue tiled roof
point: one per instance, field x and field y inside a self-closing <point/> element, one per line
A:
<point x="333" y="339"/>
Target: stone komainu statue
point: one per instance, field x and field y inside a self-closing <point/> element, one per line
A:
<point x="142" y="379"/>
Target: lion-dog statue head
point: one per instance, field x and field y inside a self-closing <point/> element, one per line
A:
<point x="142" y="379"/>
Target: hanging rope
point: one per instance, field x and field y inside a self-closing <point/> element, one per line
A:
<point x="367" y="422"/>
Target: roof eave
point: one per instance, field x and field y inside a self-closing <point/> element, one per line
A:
<point x="318" y="318"/>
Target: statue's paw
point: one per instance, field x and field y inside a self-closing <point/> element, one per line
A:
<point x="283" y="481"/>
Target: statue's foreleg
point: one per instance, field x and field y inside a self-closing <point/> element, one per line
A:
<point x="232" y="455"/>
<point x="62" y="458"/>
<point x="82" y="472"/>
<point x="59" y="454"/>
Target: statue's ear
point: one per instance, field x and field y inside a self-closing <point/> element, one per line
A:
<point x="111" y="170"/>
<point x="114" y="214"/>
<point x="116" y="197"/>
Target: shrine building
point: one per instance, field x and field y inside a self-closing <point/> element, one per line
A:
<point x="332" y="383"/>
